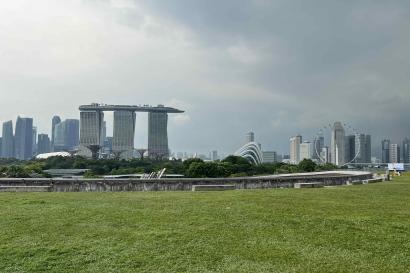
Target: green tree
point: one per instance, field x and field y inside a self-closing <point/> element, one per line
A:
<point x="307" y="165"/>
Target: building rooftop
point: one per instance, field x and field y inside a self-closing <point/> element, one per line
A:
<point x="136" y="108"/>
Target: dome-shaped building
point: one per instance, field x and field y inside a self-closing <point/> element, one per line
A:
<point x="252" y="152"/>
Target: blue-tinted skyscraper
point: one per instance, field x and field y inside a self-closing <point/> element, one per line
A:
<point x="66" y="135"/>
<point x="43" y="144"/>
<point x="386" y="151"/>
<point x="7" y="146"/>
<point x="56" y="120"/>
<point x="23" y="140"/>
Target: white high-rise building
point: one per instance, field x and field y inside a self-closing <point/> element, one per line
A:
<point x="305" y="150"/>
<point x="250" y="137"/>
<point x="337" y="144"/>
<point x="394" y="153"/>
<point x="295" y="149"/>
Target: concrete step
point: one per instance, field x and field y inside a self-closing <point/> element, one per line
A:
<point x="375" y="180"/>
<point x="25" y="188"/>
<point x="308" y="185"/>
<point x="213" y="187"/>
<point x="356" y="182"/>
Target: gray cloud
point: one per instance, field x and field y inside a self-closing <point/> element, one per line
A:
<point x="275" y="67"/>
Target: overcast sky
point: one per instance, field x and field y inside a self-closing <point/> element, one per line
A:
<point x="277" y="67"/>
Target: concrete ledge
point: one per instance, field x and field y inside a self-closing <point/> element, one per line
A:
<point x="376" y="180"/>
<point x="357" y="182"/>
<point x="309" y="185"/>
<point x="25" y="188"/>
<point x="336" y="178"/>
<point x="213" y="187"/>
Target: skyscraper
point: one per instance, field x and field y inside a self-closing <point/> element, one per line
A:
<point x="43" y="144"/>
<point x="318" y="145"/>
<point x="250" y="137"/>
<point x="386" y="151"/>
<point x="23" y="141"/>
<point x="7" y="150"/>
<point x="406" y="150"/>
<point x="90" y="133"/>
<point x="363" y="148"/>
<point x="394" y="153"/>
<point x="34" y="140"/>
<point x="305" y="150"/>
<point x="214" y="155"/>
<point x="124" y="131"/>
<point x="337" y="144"/>
<point x="158" y="134"/>
<point x="350" y="148"/>
<point x="56" y="120"/>
<point x="295" y="149"/>
<point x="66" y="135"/>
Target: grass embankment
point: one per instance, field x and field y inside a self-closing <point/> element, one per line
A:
<point x="343" y="229"/>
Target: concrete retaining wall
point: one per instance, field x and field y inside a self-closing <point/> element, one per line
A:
<point x="185" y="184"/>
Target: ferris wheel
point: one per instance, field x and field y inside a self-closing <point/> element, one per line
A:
<point x="344" y="130"/>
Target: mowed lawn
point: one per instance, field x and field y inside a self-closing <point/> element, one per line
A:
<point x="344" y="229"/>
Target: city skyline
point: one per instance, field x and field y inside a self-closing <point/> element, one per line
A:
<point x="289" y="67"/>
<point x="374" y="150"/>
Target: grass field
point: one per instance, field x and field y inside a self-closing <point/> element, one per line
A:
<point x="344" y="229"/>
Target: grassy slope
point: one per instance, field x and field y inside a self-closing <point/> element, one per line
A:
<point x="345" y="229"/>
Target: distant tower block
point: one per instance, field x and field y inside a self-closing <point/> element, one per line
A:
<point x="250" y="137"/>
<point x="158" y="134"/>
<point x="124" y="131"/>
<point x="90" y="133"/>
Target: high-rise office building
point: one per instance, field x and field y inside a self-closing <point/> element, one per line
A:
<point x="269" y="156"/>
<point x="363" y="148"/>
<point x="23" y="140"/>
<point x="1" y="142"/>
<point x="337" y="144"/>
<point x="7" y="150"/>
<point x="34" y="141"/>
<point x="56" y="120"/>
<point x="350" y="148"/>
<point x="394" y="153"/>
<point x="66" y="135"/>
<point x="406" y="150"/>
<point x="305" y="150"/>
<point x="43" y="144"/>
<point x="250" y="137"/>
<point x="214" y="155"/>
<point x="318" y="145"/>
<point x="295" y="149"/>
<point x="107" y="148"/>
<point x="385" y="151"/>
<point x="124" y="131"/>
<point x="158" y="134"/>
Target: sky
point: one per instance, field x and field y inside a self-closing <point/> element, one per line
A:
<point x="275" y="67"/>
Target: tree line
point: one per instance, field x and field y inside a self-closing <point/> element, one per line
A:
<point x="232" y="166"/>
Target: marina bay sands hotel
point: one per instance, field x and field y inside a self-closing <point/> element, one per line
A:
<point x="92" y="126"/>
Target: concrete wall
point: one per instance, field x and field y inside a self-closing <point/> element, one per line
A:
<point x="178" y="184"/>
